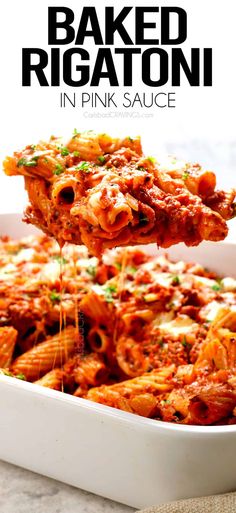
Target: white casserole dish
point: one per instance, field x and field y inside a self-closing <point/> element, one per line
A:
<point x="115" y="454"/>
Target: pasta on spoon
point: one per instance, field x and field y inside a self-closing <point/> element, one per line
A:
<point x="103" y="192"/>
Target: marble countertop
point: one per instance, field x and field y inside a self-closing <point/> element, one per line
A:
<point x="22" y="491"/>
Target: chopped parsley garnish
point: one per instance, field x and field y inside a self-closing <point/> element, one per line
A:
<point x="55" y="297"/>
<point x="75" y="133"/>
<point x="185" y="175"/>
<point x="84" y="166"/>
<point x="151" y="159"/>
<point x="118" y="266"/>
<point x="59" y="259"/>
<point x="141" y="168"/>
<point x="92" y="270"/>
<point x="6" y="372"/>
<point x="109" y="290"/>
<point x="131" y="269"/>
<point x="64" y="151"/>
<point x="76" y="153"/>
<point x="20" y="376"/>
<point x="130" y="139"/>
<point x="216" y="287"/>
<point x="143" y="219"/>
<point x="58" y="169"/>
<point x="33" y="147"/>
<point x="45" y="160"/>
<point x="28" y="163"/>
<point x="101" y="159"/>
<point x="175" y="280"/>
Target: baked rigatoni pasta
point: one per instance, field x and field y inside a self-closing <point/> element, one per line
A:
<point x="8" y="336"/>
<point x="45" y="356"/>
<point x="136" y="395"/>
<point x="104" y="192"/>
<point x="140" y="333"/>
<point x="53" y="379"/>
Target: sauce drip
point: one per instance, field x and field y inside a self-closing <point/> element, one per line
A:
<point x="77" y="312"/>
<point x="61" y="319"/>
<point x="121" y="282"/>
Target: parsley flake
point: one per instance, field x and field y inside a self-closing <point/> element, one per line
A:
<point x="92" y="270"/>
<point x="185" y="175"/>
<point x="75" y="133"/>
<point x="21" y="376"/>
<point x="27" y="163"/>
<point x="5" y="372"/>
<point x="55" y="297"/>
<point x="76" y="153"/>
<point x="109" y="290"/>
<point x="165" y="401"/>
<point x="143" y="219"/>
<point x="151" y="159"/>
<point x="131" y="269"/>
<point x="84" y="166"/>
<point x="59" y="259"/>
<point x="185" y="343"/>
<point x="64" y="151"/>
<point x="216" y="287"/>
<point x="101" y="159"/>
<point x="58" y="169"/>
<point x="175" y="280"/>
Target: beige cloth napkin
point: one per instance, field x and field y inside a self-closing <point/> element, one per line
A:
<point x="213" y="504"/>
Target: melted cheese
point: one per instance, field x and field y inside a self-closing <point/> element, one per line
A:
<point x="182" y="325"/>
<point x="163" y="262"/>
<point x="51" y="271"/>
<point x="7" y="270"/>
<point x="163" y="317"/>
<point x="170" y="163"/>
<point x="211" y="310"/>
<point x="24" y="255"/>
<point x="228" y="284"/>
<point x="202" y="280"/>
<point x="163" y="279"/>
<point x="84" y="263"/>
<point x="177" y="299"/>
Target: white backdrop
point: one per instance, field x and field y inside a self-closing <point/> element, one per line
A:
<point x="201" y="127"/>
